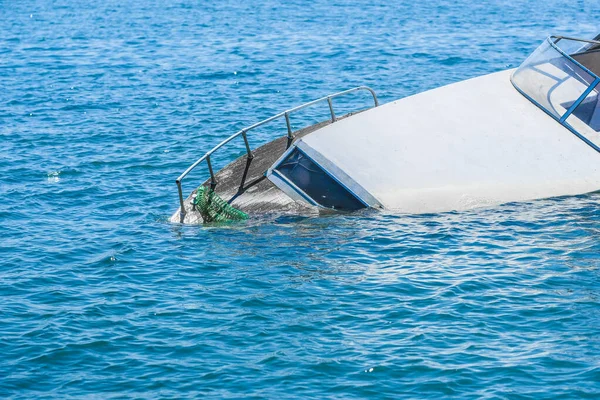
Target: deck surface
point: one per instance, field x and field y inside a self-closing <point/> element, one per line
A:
<point x="243" y="184"/>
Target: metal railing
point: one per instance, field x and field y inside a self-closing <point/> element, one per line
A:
<point x="243" y="133"/>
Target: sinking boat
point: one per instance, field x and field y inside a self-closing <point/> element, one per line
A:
<point x="516" y="135"/>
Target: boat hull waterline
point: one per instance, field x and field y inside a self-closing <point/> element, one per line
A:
<point x="479" y="142"/>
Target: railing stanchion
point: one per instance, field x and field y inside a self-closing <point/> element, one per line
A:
<point x="213" y="181"/>
<point x="289" y="125"/>
<point x="181" y="203"/>
<point x="375" y="100"/>
<point x="250" y="155"/>
<point x="331" y="108"/>
<point x="290" y="135"/>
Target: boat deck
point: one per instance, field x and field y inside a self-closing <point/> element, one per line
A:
<point x="243" y="183"/>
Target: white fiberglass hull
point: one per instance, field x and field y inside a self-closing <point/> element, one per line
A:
<point x="473" y="143"/>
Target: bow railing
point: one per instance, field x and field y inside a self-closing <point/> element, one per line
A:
<point x="244" y="134"/>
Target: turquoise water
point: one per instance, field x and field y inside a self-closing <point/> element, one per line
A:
<point x="103" y="105"/>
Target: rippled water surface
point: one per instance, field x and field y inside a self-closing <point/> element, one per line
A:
<point x="103" y="104"/>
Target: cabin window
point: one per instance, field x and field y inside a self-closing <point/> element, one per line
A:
<point x="316" y="183"/>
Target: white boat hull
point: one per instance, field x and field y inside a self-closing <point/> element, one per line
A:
<point x="473" y="143"/>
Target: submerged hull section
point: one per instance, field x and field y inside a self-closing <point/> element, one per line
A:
<point x="244" y="186"/>
<point x="473" y="143"/>
<point x="514" y="135"/>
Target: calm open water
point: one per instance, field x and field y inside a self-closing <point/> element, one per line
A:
<point x="104" y="104"/>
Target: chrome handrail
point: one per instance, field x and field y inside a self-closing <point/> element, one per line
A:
<point x="244" y="132"/>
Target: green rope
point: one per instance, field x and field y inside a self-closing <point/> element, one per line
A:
<point x="215" y="209"/>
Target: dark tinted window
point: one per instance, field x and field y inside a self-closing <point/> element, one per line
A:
<point x="316" y="183"/>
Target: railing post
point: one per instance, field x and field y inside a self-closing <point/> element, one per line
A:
<point x="250" y="155"/>
<point x="289" y="126"/>
<point x="331" y="108"/>
<point x="375" y="100"/>
<point x="213" y="181"/>
<point x="181" y="203"/>
<point x="290" y="135"/>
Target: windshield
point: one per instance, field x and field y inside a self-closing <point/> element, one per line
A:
<point x="559" y="77"/>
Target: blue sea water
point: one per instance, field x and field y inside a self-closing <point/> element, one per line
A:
<point x="104" y="104"/>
